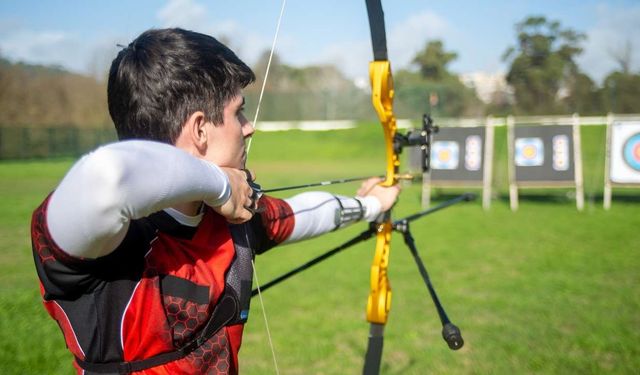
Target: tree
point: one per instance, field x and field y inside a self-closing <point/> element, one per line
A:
<point x="621" y="89"/>
<point x="433" y="61"/>
<point x="621" y="92"/>
<point x="584" y="96"/>
<point x="44" y="96"/>
<point x="433" y="88"/>
<point x="542" y="63"/>
<point x="623" y="57"/>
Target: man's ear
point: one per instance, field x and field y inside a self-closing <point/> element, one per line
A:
<point x="193" y="136"/>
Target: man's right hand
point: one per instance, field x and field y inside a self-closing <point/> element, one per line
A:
<point x="240" y="205"/>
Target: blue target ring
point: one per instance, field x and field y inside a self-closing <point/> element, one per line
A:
<point x="631" y="152"/>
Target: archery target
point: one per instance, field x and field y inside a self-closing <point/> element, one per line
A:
<point x="529" y="152"/>
<point x="473" y="153"/>
<point x="631" y="152"/>
<point x="625" y="152"/>
<point x="445" y="155"/>
<point x="560" y="148"/>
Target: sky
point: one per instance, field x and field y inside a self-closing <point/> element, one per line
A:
<point x="82" y="36"/>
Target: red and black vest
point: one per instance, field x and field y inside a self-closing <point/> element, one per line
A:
<point x="156" y="293"/>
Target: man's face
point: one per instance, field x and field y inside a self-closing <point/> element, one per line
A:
<point x="227" y="140"/>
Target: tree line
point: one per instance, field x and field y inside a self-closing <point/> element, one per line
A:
<point x="546" y="78"/>
<point x="36" y="96"/>
<point x="543" y="76"/>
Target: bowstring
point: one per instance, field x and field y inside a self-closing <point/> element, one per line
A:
<point x="255" y="120"/>
<point x="266" y="74"/>
<point x="266" y="321"/>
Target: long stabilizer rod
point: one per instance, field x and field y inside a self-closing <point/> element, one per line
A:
<point x="365" y="235"/>
<point x="450" y="332"/>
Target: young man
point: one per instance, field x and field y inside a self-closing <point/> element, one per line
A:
<point x="144" y="250"/>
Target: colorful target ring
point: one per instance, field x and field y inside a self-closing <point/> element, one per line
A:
<point x="631" y="152"/>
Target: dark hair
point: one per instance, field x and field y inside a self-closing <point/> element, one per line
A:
<point x="164" y="76"/>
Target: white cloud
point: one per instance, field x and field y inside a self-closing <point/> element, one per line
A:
<point x="614" y="28"/>
<point x="182" y="13"/>
<point x="71" y="51"/>
<point x="44" y="47"/>
<point x="102" y="52"/>
<point x="409" y="37"/>
<point x="192" y="15"/>
<point x="246" y="44"/>
<point x="351" y="57"/>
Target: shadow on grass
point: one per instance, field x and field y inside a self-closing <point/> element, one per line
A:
<point x="551" y="198"/>
<point x="627" y="198"/>
<point x="557" y="197"/>
<point x="570" y="198"/>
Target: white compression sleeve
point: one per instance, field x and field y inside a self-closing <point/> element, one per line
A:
<point x="320" y="212"/>
<point x="90" y="211"/>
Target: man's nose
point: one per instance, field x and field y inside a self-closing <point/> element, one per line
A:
<point x="248" y="129"/>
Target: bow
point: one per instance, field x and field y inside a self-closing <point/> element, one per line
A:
<point x="379" y="300"/>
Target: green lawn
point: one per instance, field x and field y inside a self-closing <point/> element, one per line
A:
<point x="543" y="290"/>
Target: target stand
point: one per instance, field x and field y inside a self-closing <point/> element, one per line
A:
<point x="544" y="154"/>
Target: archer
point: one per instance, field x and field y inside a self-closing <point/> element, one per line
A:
<point x="144" y="251"/>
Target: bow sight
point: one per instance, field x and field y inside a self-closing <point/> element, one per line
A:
<point x="418" y="137"/>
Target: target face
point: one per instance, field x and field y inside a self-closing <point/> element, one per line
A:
<point x="560" y="152"/>
<point x="529" y="152"/>
<point x="472" y="153"/>
<point x="631" y="152"/>
<point x="445" y="155"/>
<point x="625" y="152"/>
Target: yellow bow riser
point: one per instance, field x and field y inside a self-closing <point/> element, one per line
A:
<point x="379" y="302"/>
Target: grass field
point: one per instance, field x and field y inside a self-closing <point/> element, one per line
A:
<point x="545" y="290"/>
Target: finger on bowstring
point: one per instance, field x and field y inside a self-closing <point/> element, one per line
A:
<point x="250" y="175"/>
<point x="253" y="207"/>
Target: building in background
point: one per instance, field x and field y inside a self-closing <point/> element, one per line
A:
<point x="490" y="87"/>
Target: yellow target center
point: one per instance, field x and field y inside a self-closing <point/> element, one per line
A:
<point x="529" y="151"/>
<point x="444" y="155"/>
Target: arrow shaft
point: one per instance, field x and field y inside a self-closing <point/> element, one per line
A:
<point x="321" y="183"/>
